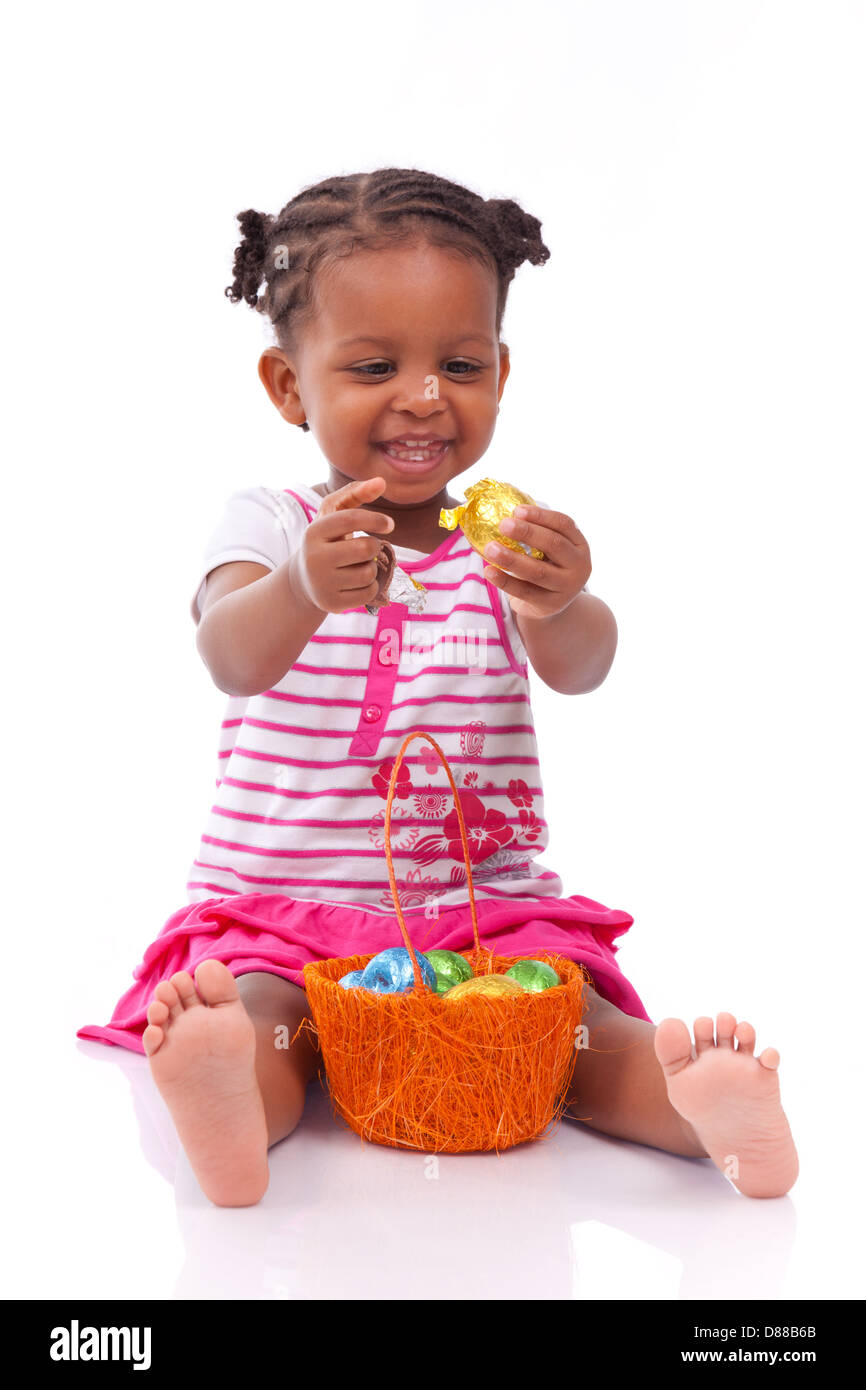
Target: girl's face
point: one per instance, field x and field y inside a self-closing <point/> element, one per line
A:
<point x="403" y="342"/>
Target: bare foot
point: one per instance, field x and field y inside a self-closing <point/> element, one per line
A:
<point x="731" y="1099"/>
<point x="201" y="1045"/>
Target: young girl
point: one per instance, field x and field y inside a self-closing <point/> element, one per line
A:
<point x="386" y="291"/>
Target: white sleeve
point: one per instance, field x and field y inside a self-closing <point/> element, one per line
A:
<point x="260" y="524"/>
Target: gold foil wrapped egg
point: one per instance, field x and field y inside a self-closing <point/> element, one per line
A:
<point x="493" y="985"/>
<point x="488" y="503"/>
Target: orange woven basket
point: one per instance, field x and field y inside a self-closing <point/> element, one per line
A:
<point x="417" y="1071"/>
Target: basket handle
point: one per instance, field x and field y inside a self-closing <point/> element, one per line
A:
<point x="419" y="733"/>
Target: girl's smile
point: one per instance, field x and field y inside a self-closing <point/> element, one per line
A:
<point x="413" y="458"/>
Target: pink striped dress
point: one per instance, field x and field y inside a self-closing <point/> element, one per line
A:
<point x="291" y="866"/>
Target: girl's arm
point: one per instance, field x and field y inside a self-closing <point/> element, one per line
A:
<point x="570" y="636"/>
<point x="573" y="651"/>
<point x="255" y="622"/>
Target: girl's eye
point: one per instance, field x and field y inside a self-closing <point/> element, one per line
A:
<point x="370" y="368"/>
<point x="470" y="366"/>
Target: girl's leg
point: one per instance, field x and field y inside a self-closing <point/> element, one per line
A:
<point x="711" y="1099"/>
<point x="618" y="1085"/>
<point x="231" y="1090"/>
<point x="276" y="1007"/>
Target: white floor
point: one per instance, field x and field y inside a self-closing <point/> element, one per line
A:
<point x="106" y="1206"/>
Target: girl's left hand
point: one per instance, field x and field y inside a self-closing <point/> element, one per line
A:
<point x="539" y="588"/>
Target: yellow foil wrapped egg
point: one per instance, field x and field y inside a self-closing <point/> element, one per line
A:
<point x="488" y="503"/>
<point x="483" y="984"/>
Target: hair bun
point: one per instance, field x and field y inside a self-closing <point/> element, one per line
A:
<point x="521" y="232"/>
<point x="250" y="257"/>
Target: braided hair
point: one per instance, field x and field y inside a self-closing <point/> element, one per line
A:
<point x="372" y="211"/>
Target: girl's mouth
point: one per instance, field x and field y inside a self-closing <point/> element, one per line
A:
<point x="413" y="459"/>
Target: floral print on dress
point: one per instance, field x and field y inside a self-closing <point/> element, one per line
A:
<point x="417" y="890"/>
<point x="403" y="835"/>
<point x="432" y="805"/>
<point x="381" y="779"/>
<point x="519" y="793"/>
<point x="530" y="825"/>
<point x="487" y="831"/>
<point x="497" y="849"/>
<point x="472" y="738"/>
<point x="430" y="758"/>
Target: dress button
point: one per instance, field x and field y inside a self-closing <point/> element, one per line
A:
<point x="372" y="713"/>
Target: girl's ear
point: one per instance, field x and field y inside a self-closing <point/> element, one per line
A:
<point x="504" y="368"/>
<point x="279" y="380"/>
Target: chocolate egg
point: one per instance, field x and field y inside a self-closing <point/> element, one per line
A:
<point x="493" y="986"/>
<point x="450" y="968"/>
<point x="533" y="975"/>
<point x="385" y="562"/>
<point x="488" y="503"/>
<point x="392" y="972"/>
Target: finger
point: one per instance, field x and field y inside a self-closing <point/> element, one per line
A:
<point x="558" y="548"/>
<point x="357" y="598"/>
<point x="518" y="589"/>
<point x="353" y="550"/>
<point x="339" y="524"/>
<point x="554" y="521"/>
<point x="361" y="490"/>
<point x="357" y="576"/>
<point x="524" y="566"/>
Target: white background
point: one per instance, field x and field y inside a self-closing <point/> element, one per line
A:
<point x="687" y="382"/>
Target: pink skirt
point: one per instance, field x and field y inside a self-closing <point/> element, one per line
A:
<point x="280" y="935"/>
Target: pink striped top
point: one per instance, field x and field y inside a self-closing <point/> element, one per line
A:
<point x="303" y="768"/>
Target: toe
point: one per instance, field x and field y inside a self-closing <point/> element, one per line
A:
<point x="216" y="983"/>
<point x="186" y="990"/>
<point x="152" y="1039"/>
<point x="157" y="1012"/>
<point x="745" y="1035"/>
<point x="673" y="1045"/>
<point x="769" y="1058"/>
<point x="168" y="995"/>
<point x="725" y="1025"/>
<point x="703" y="1034"/>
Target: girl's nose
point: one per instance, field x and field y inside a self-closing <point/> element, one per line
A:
<point x="420" y="394"/>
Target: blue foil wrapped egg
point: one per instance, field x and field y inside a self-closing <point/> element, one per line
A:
<point x="352" y="980"/>
<point x="392" y="972"/>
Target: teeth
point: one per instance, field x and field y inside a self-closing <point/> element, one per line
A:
<point x="414" y="451"/>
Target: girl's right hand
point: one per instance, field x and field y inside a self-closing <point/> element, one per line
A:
<point x="335" y="570"/>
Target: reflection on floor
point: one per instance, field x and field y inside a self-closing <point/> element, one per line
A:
<point x="577" y="1215"/>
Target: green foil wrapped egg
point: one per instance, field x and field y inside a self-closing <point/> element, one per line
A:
<point x="450" y="968"/>
<point x="533" y="975"/>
